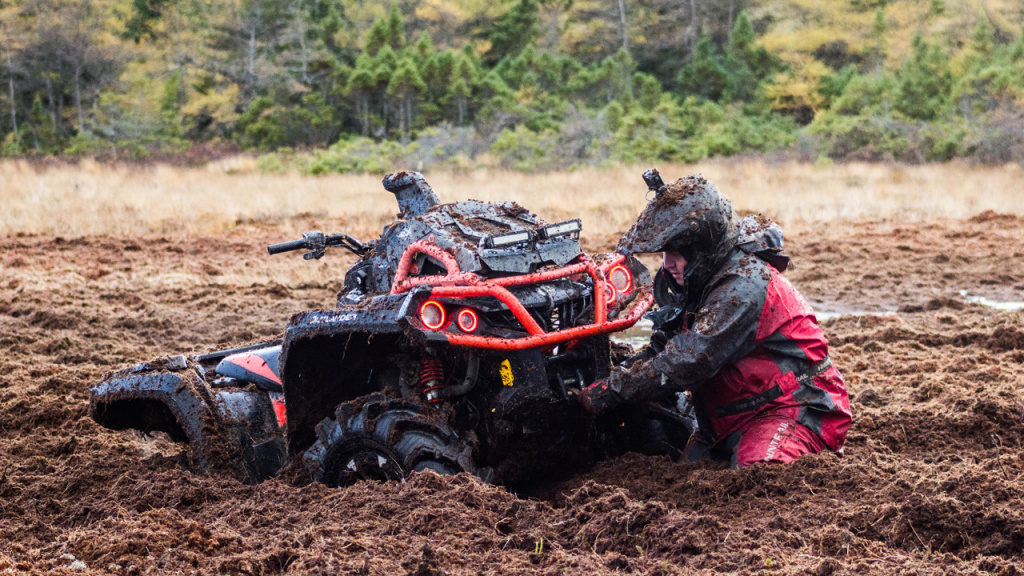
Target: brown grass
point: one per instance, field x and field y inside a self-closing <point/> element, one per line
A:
<point x="99" y="199"/>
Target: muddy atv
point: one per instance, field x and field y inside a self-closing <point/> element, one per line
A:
<point x="457" y="341"/>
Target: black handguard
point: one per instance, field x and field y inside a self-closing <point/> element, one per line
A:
<point x="316" y="243"/>
<point x="667" y="319"/>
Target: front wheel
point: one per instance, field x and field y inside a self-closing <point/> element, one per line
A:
<point x="380" y="438"/>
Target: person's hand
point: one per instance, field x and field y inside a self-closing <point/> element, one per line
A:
<point x="657" y="345"/>
<point x="598" y="398"/>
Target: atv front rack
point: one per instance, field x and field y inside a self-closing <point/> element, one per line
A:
<point x="458" y="284"/>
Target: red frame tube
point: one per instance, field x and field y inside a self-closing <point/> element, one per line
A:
<point x="458" y="284"/>
<point x="550" y="339"/>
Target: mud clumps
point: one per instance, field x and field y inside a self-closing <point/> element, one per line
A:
<point x="676" y="191"/>
<point x="930" y="483"/>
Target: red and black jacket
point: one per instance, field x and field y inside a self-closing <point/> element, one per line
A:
<point x="751" y="347"/>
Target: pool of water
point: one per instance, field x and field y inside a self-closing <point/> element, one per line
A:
<point x="1006" y="306"/>
<point x="640" y="333"/>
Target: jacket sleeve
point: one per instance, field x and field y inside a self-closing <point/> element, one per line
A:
<point x="724" y="331"/>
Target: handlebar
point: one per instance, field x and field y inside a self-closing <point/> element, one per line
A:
<point x="316" y="242"/>
<point x="286" y="246"/>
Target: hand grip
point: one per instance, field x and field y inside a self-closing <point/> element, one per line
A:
<point x="286" y="246"/>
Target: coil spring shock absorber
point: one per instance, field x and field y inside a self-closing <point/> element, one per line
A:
<point x="431" y="379"/>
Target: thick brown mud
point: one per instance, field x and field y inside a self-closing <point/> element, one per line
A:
<point x="932" y="481"/>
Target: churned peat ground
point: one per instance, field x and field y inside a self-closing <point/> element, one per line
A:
<point x="931" y="482"/>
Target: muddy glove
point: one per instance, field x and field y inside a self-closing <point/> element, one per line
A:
<point x="658" y="341"/>
<point x="599" y="398"/>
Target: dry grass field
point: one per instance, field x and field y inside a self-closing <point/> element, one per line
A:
<point x="92" y="198"/>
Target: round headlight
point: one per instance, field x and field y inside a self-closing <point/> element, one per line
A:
<point x="621" y="278"/>
<point x="467" y="320"/>
<point x="432" y="314"/>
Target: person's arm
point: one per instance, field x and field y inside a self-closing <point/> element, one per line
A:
<point x="724" y="331"/>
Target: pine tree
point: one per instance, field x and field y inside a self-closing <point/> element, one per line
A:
<point x="460" y="88"/>
<point x="879" y="27"/>
<point x="170" y="106"/>
<point x="512" y="32"/>
<point x="704" y="77"/>
<point x="423" y="50"/>
<point x="145" y="13"/>
<point x="649" y="89"/>
<point x="460" y="94"/>
<point x="361" y="84"/>
<point x="43" y="131"/>
<point x="330" y="25"/>
<point x="924" y="81"/>
<point x="406" y="87"/>
<point x="377" y="38"/>
<point x="396" y="29"/>
<point x="983" y="38"/>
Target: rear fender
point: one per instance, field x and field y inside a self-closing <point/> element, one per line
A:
<point x="151" y="402"/>
<point x="237" y="425"/>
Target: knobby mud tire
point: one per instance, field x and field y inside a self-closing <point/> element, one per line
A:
<point x="385" y="439"/>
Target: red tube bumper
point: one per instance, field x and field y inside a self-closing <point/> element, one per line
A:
<point x="458" y="284"/>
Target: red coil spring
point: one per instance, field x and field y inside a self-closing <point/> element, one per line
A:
<point x="431" y="376"/>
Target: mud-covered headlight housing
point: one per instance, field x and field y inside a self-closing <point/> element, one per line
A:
<point x="467" y="320"/>
<point x="621" y="278"/>
<point x="432" y="314"/>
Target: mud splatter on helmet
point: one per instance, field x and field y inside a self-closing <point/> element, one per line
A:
<point x="689" y="216"/>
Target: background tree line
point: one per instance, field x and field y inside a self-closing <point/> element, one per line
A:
<point x="341" y="85"/>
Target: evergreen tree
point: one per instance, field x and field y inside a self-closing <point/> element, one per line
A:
<point x="423" y="50"/>
<point x="832" y="86"/>
<point x="705" y="76"/>
<point x="170" y="106"/>
<point x="406" y="87"/>
<point x="924" y="82"/>
<point x="145" y="13"/>
<point x="44" y="134"/>
<point x="460" y="94"/>
<point x="649" y="89"/>
<point x="879" y="27"/>
<point x="330" y="25"/>
<point x="746" y="64"/>
<point x="983" y="38"/>
<point x="512" y="32"/>
<point x="460" y="89"/>
<point x="377" y="38"/>
<point x="361" y="84"/>
<point x="396" y="29"/>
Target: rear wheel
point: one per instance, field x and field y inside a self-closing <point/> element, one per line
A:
<point x="380" y="438"/>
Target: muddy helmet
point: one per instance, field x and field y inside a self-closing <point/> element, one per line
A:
<point x="689" y="216"/>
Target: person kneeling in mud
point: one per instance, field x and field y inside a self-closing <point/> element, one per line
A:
<point x="731" y="331"/>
